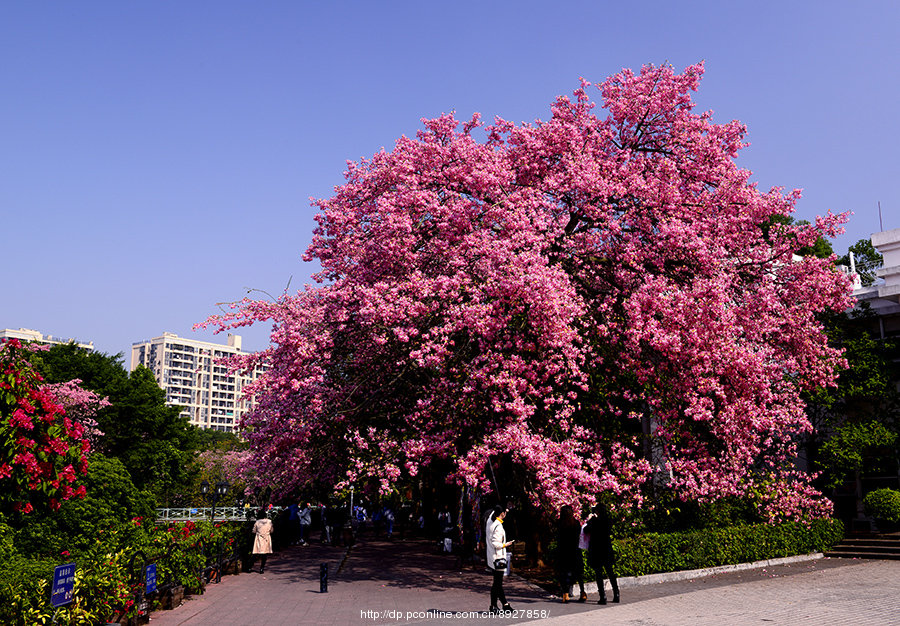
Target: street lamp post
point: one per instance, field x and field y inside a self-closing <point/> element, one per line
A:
<point x="221" y="489"/>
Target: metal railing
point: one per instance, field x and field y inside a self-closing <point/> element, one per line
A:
<point x="197" y="514"/>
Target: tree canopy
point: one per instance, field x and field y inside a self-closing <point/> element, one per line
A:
<point x="866" y="259"/>
<point x="597" y="301"/>
<point x="152" y="440"/>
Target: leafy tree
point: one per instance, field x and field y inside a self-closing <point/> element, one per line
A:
<point x="209" y="439"/>
<point x="846" y="450"/>
<point x="857" y="421"/>
<point x="582" y="303"/>
<point x="111" y="499"/>
<point x="97" y="371"/>
<point x="866" y="259"/>
<point x="151" y="440"/>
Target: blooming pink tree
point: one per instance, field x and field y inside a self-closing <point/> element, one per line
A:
<point x="596" y="300"/>
<point x="232" y="466"/>
<point x="43" y="451"/>
<point x="80" y="405"/>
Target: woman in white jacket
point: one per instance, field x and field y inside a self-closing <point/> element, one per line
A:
<point x="496" y="551"/>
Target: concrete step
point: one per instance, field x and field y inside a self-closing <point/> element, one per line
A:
<point x="860" y="548"/>
<point x="893" y="556"/>
<point x="886" y="543"/>
<point x="868" y="546"/>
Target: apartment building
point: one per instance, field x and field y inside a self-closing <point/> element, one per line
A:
<point x="189" y="372"/>
<point x="27" y="334"/>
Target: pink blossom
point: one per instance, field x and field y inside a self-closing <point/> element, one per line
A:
<point x="597" y="301"/>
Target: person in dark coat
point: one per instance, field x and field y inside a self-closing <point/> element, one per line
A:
<point x="570" y="562"/>
<point x="600" y="551"/>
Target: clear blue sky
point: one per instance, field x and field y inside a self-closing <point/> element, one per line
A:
<point x="158" y="157"/>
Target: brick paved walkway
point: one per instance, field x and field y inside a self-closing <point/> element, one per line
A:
<point x="381" y="582"/>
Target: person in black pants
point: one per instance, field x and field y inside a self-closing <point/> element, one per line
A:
<point x="569" y="559"/>
<point x="497" y="556"/>
<point x="600" y="550"/>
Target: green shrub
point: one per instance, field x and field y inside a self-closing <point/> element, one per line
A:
<point x="653" y="553"/>
<point x="108" y="570"/>
<point x="883" y="504"/>
<point x="112" y="501"/>
<point x="670" y="514"/>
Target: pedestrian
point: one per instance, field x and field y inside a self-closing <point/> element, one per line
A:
<point x="305" y="517"/>
<point x="294" y="522"/>
<point x="336" y="520"/>
<point x="326" y="524"/>
<point x="361" y="516"/>
<point x="497" y="557"/>
<point x="600" y="551"/>
<point x="445" y="525"/>
<point x="262" y="543"/>
<point x="388" y="516"/>
<point x="569" y="559"/>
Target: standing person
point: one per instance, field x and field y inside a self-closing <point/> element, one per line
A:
<point x="294" y="523"/>
<point x="569" y="559"/>
<point x="388" y="515"/>
<point x="326" y="524"/>
<point x="497" y="557"/>
<point x="600" y="550"/>
<point x="262" y="544"/>
<point x="305" y="517"/>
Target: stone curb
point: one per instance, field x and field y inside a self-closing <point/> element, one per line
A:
<point x="666" y="577"/>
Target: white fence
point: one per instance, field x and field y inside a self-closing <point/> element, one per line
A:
<point x="197" y="514"/>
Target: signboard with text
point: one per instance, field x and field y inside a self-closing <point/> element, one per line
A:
<point x="63" y="589"/>
<point x="151" y="578"/>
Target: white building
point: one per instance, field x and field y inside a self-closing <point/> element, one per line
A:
<point x="884" y="298"/>
<point x="27" y="334"/>
<point x="189" y="373"/>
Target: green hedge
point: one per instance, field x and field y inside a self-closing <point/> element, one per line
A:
<point x="654" y="553"/>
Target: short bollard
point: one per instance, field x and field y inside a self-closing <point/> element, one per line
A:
<point x="323" y="578"/>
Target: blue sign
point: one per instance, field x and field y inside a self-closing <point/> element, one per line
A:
<point x="151" y="578"/>
<point x="63" y="589"/>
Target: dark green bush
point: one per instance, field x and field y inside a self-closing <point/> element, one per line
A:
<point x="670" y="514"/>
<point x="883" y="504"/>
<point x="112" y="501"/>
<point x="652" y="553"/>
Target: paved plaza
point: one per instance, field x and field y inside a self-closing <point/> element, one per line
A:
<point x="409" y="582"/>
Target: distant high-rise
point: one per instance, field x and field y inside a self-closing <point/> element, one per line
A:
<point x="26" y="334"/>
<point x="189" y="373"/>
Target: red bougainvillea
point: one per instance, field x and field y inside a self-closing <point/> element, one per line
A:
<point x="43" y="451"/>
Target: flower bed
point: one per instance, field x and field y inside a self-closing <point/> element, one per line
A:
<point x="109" y="577"/>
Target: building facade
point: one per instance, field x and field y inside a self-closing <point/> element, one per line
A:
<point x="191" y="374"/>
<point x="884" y="298"/>
<point x="27" y="334"/>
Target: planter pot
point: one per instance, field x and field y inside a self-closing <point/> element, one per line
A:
<point x="172" y="598"/>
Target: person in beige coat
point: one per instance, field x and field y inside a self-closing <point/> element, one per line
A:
<point x="262" y="542"/>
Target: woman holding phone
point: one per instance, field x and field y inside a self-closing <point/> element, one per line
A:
<point x="497" y="557"/>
